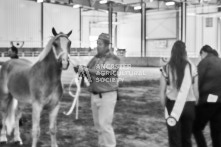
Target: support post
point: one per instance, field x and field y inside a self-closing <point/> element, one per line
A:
<point x="80" y="27"/>
<point x="183" y="21"/>
<point x="110" y="25"/>
<point x="115" y="38"/>
<point x="177" y="22"/>
<point x="42" y="25"/>
<point x="143" y="29"/>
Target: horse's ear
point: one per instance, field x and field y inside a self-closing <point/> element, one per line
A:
<point x="54" y="32"/>
<point x="68" y="34"/>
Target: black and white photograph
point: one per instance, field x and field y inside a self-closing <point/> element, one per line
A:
<point x="110" y="73"/>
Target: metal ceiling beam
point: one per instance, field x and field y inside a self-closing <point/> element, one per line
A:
<point x="117" y="7"/>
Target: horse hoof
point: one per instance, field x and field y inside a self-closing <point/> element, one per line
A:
<point x="17" y="143"/>
<point x="3" y="142"/>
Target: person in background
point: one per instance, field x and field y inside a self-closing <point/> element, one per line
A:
<point x="13" y="52"/>
<point x="215" y="53"/>
<point x="179" y="92"/>
<point x="103" y="75"/>
<point x="209" y="105"/>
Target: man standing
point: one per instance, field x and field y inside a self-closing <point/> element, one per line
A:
<point x="13" y="52"/>
<point x="103" y="69"/>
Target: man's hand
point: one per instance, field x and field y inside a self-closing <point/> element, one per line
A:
<point x="76" y="68"/>
<point x="79" y="68"/>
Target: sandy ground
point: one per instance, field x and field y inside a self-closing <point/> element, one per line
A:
<point x="138" y="120"/>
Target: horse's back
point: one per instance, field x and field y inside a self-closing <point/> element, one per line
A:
<point x="16" y="64"/>
<point x="14" y="77"/>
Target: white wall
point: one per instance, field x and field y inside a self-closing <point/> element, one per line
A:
<point x="129" y="34"/>
<point x="93" y="24"/>
<point x="20" y="21"/>
<point x="63" y="19"/>
<point x="160" y="27"/>
<point x="85" y="32"/>
<point x="197" y="33"/>
<point x="161" y="32"/>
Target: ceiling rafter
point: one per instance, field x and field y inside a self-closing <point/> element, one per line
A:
<point x="123" y="5"/>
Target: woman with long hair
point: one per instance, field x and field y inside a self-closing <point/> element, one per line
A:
<point x="178" y="94"/>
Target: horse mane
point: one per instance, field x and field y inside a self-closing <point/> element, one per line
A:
<point x="46" y="50"/>
<point x="48" y="47"/>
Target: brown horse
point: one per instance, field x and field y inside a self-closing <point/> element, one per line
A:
<point x="38" y="84"/>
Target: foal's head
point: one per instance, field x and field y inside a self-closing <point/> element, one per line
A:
<point x="61" y="48"/>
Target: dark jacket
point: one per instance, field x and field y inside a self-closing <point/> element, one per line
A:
<point x="209" y="72"/>
<point x="14" y="57"/>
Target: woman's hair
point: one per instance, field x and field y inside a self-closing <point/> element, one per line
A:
<point x="178" y="62"/>
<point x="208" y="49"/>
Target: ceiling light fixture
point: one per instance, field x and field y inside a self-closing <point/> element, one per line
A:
<point x="76" y="6"/>
<point x="103" y="1"/>
<point x="40" y="1"/>
<point x="137" y="7"/>
<point x="170" y="3"/>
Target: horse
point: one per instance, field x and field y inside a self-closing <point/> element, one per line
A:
<point x="38" y="84"/>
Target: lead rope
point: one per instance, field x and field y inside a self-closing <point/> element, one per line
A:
<point x="77" y="79"/>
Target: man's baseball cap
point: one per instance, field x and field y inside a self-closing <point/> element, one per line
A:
<point x="104" y="36"/>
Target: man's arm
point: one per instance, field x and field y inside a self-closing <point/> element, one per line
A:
<point x="202" y="68"/>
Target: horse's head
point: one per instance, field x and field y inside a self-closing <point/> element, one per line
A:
<point x="61" y="48"/>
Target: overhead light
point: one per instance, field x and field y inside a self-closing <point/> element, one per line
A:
<point x="103" y="1"/>
<point x="76" y="6"/>
<point x="137" y="7"/>
<point x="106" y="23"/>
<point x="40" y="1"/>
<point x="170" y="3"/>
<point x="191" y="14"/>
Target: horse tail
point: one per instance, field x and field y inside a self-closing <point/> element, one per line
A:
<point x="10" y="118"/>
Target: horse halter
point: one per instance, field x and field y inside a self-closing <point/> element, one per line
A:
<point x="63" y="60"/>
<point x="57" y="56"/>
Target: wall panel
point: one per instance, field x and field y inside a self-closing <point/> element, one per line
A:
<point x="63" y="19"/>
<point x="20" y="21"/>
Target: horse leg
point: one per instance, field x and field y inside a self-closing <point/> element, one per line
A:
<point x="53" y="124"/>
<point x="36" y="113"/>
<point x="17" y="138"/>
<point x="3" y="137"/>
